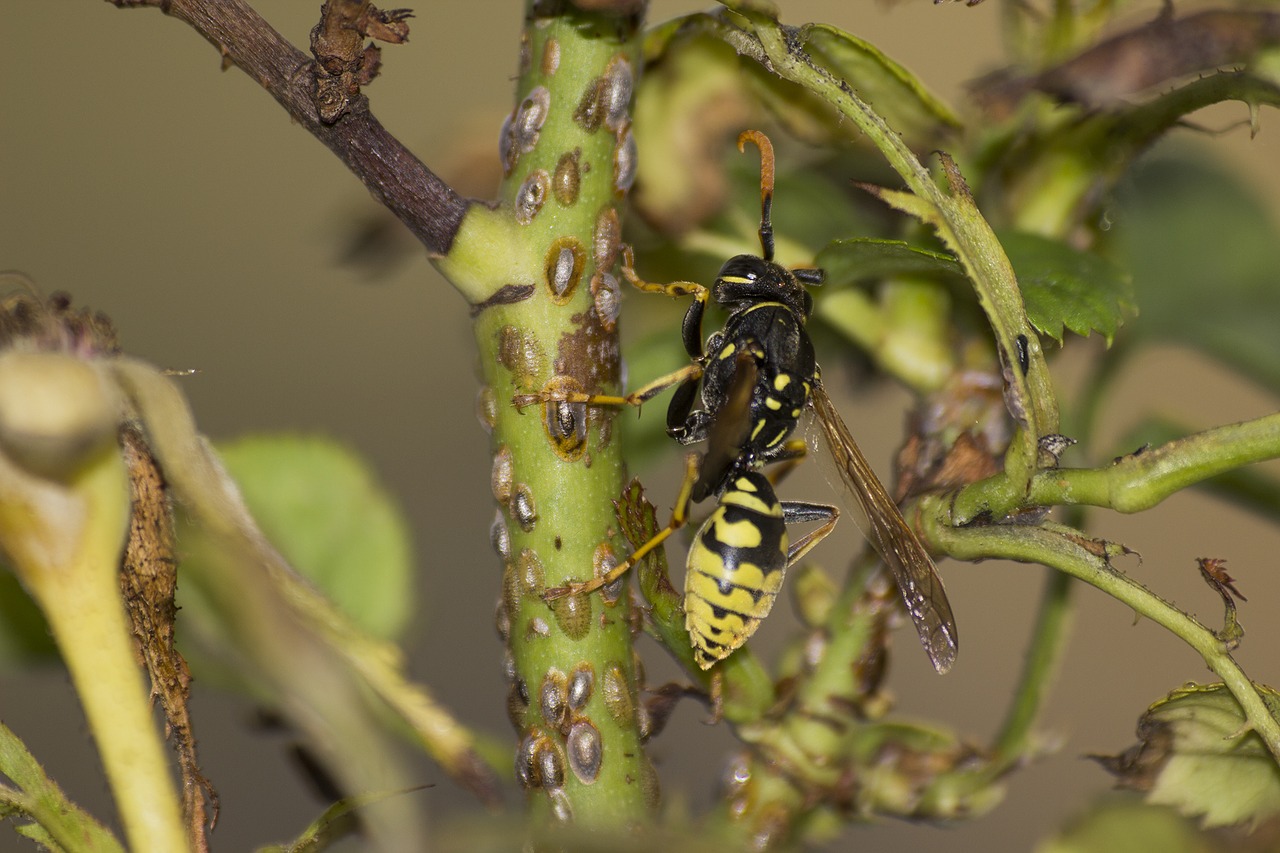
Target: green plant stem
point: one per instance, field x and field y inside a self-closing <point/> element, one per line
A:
<point x="539" y="269"/>
<point x="1132" y="483"/>
<point x="81" y="601"/>
<point x="1075" y="555"/>
<point x="1146" y="477"/>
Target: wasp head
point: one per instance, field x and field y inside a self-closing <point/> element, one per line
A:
<point x="748" y="279"/>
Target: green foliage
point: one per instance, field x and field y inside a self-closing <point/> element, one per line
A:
<point x="56" y="823"/>
<point x="1068" y="288"/>
<point x="24" y="636"/>
<point x="862" y="258"/>
<point x="1203" y="252"/>
<point x="321" y="506"/>
<point x="1197" y="754"/>
<point x="1125" y="825"/>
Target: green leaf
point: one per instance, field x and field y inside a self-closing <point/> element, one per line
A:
<point x="1066" y="287"/>
<point x="24" y="635"/>
<point x="892" y="91"/>
<point x="320" y="505"/>
<point x="59" y="823"/>
<point x="1197" y="754"/>
<point x="1122" y="826"/>
<point x="1205" y="257"/>
<point x="860" y="259"/>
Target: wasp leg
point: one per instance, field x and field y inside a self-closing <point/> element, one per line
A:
<point x="679" y="516"/>
<point x="794" y="512"/>
<point x="675" y="288"/>
<point x="637" y="398"/>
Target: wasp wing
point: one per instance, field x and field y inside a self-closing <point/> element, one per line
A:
<point x="899" y="547"/>
<point x="730" y="430"/>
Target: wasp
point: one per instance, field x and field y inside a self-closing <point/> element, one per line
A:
<point x="757" y="377"/>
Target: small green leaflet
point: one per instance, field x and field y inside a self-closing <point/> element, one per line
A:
<point x="1064" y="287"/>
<point x="320" y="505"/>
<point x="847" y="261"/>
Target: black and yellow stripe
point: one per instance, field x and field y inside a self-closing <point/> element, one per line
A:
<point x="735" y="568"/>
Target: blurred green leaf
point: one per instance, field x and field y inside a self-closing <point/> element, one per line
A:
<point x="58" y="823"/>
<point x="891" y="90"/>
<point x="688" y="107"/>
<point x="1196" y="753"/>
<point x="859" y="259"/>
<point x="1205" y="257"/>
<point x="1066" y="287"/>
<point x="320" y="505"/>
<point x="1126" y="825"/>
<point x="24" y="635"/>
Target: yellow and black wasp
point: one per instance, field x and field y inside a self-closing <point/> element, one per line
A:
<point x="758" y="375"/>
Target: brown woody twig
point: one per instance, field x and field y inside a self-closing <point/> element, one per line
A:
<point x="430" y="208"/>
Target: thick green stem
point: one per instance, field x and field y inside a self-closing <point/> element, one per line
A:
<point x="539" y="271"/>
<point x="81" y="601"/>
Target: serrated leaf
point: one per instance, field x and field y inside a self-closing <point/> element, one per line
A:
<point x="1064" y="287"/>
<point x="37" y="798"/>
<point x="1205" y="256"/>
<point x="1197" y="754"/>
<point x="894" y="92"/>
<point x="320" y="505"/>
<point x="861" y="259"/>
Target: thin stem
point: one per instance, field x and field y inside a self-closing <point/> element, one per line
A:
<point x="421" y="200"/>
<point x="1038" y="670"/>
<point x="1077" y="556"/>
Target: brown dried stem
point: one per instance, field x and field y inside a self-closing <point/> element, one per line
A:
<point x="420" y="199"/>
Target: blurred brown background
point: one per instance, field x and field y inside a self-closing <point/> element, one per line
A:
<point x="179" y="199"/>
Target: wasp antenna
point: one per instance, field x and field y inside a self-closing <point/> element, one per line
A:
<point x="766" y="187"/>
